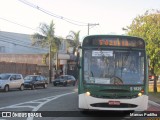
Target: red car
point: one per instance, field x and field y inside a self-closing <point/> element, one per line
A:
<point x="151" y="77"/>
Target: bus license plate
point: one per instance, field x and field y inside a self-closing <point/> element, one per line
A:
<point x="114" y="102"/>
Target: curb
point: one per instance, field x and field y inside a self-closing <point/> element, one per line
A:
<point x="154" y="103"/>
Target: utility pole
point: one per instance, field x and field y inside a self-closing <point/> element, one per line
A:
<point x="89" y="24"/>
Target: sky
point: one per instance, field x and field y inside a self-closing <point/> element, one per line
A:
<point x="111" y="15"/>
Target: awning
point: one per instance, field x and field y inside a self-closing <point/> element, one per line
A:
<point x="62" y="56"/>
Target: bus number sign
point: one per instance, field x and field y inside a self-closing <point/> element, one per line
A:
<point x="135" y="88"/>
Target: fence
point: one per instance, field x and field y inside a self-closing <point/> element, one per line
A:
<point x="23" y="68"/>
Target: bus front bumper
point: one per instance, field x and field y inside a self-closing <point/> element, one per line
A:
<point x="135" y="104"/>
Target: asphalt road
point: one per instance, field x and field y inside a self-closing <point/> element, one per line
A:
<point x="60" y="103"/>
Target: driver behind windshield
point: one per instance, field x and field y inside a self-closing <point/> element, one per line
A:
<point x="95" y="68"/>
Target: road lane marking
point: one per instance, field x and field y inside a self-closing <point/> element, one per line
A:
<point x="56" y="97"/>
<point x="40" y="105"/>
<point x="37" y="101"/>
<point x="36" y="107"/>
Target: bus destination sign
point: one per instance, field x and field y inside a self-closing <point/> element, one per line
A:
<point x="115" y="42"/>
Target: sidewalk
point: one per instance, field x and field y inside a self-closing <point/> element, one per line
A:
<point x="155" y="97"/>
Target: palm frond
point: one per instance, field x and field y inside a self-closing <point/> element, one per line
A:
<point x="46" y="37"/>
<point x="36" y="39"/>
<point x="44" y="29"/>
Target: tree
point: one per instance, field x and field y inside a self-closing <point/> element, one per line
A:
<point x="46" y="38"/>
<point x="75" y="37"/>
<point x="147" y="26"/>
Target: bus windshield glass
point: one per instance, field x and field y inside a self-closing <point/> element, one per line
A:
<point x="122" y="67"/>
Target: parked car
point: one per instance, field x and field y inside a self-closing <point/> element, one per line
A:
<point x="11" y="81"/>
<point x="33" y="81"/>
<point x="151" y="78"/>
<point x="64" y="80"/>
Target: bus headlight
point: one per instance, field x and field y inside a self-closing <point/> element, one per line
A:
<point x="88" y="93"/>
<point x="139" y="94"/>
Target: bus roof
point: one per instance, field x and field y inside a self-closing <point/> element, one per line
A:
<point x="109" y="35"/>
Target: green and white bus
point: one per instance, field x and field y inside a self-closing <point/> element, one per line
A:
<point x="113" y="73"/>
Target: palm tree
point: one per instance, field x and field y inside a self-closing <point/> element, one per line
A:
<point x="46" y="38"/>
<point x="75" y="37"/>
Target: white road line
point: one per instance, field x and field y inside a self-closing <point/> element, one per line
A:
<point x="35" y="101"/>
<point x="37" y="107"/>
<point x="40" y="105"/>
<point x="27" y="106"/>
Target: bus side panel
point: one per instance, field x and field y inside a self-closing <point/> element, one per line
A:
<point x="80" y="83"/>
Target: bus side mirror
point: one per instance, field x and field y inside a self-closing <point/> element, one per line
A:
<point x="78" y="63"/>
<point x="78" y="66"/>
<point x="77" y="54"/>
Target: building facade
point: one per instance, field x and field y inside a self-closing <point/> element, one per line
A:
<point x="17" y="47"/>
<point x="16" y="43"/>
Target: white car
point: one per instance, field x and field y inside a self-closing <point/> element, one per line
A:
<point x="11" y="81"/>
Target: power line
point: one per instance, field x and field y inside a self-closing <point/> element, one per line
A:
<point x="17" y="23"/>
<point x="5" y="38"/>
<point x="14" y="40"/>
<point x="17" y="48"/>
<point x="54" y="15"/>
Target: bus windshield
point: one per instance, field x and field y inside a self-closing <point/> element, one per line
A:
<point x="122" y="67"/>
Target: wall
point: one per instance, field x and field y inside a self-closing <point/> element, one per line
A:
<point x="23" y="68"/>
<point x="22" y="58"/>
